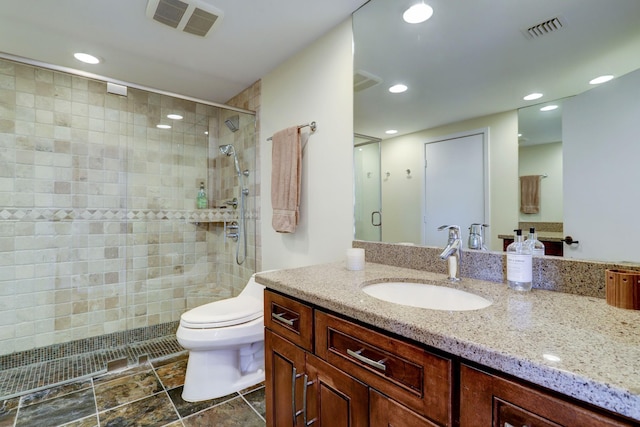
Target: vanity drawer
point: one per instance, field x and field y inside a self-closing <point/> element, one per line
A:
<point x="289" y="318"/>
<point x="405" y="372"/>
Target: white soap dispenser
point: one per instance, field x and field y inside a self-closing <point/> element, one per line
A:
<point x="519" y="264"/>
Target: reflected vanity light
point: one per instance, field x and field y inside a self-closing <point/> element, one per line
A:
<point x="417" y="13"/>
<point x="399" y="88"/>
<point x="163" y="126"/>
<point x="391" y="132"/>
<point x="174" y="116"/>
<point x="600" y="80"/>
<point x="532" y="96"/>
<point x="548" y="107"/>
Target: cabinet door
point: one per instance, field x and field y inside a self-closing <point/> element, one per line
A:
<point x="490" y="400"/>
<point x="284" y="368"/>
<point x="334" y="399"/>
<point x="385" y="412"/>
<point x="407" y="373"/>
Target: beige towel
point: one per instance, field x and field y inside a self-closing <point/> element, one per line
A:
<point x="286" y="161"/>
<point x="530" y="194"/>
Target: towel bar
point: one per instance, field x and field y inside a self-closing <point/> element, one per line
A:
<point x="311" y="125"/>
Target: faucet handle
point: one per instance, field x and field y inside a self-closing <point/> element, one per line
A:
<point x="454" y="230"/>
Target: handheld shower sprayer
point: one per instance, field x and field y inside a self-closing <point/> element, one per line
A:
<point x="229" y="150"/>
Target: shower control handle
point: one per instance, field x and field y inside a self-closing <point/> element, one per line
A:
<point x="233" y="203"/>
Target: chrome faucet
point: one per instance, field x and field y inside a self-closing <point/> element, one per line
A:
<point x="453" y="252"/>
<point x="476" y="236"/>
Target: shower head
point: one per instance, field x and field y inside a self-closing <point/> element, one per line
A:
<point x="228" y="150"/>
<point x="233" y="123"/>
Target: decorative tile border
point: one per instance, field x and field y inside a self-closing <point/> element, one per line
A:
<point x="87" y="345"/>
<point x="208" y="215"/>
<point x="45" y="374"/>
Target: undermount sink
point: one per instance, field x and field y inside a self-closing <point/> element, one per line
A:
<point x="426" y="296"/>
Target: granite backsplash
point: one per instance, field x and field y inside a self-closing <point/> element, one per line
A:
<point x="578" y="277"/>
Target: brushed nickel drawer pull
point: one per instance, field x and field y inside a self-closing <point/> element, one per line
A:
<point x="280" y="317"/>
<point x="378" y="365"/>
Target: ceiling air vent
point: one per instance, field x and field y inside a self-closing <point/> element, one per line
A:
<point x="190" y="16"/>
<point x="363" y="80"/>
<point x="546" y="27"/>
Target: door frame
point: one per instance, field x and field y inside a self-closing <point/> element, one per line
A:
<point x="486" y="178"/>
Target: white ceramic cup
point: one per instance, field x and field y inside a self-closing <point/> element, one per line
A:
<point x="355" y="259"/>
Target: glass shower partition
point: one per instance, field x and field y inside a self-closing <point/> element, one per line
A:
<point x="101" y="242"/>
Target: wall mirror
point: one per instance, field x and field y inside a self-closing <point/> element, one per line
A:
<point x="468" y="68"/>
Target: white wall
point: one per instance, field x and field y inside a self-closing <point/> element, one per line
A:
<point x="404" y="200"/>
<point x="314" y="85"/>
<point x="544" y="159"/>
<point x="602" y="171"/>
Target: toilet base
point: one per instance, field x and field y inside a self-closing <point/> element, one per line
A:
<point x="213" y="374"/>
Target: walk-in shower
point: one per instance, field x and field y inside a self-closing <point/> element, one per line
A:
<point x="102" y="243"/>
<point x="229" y="150"/>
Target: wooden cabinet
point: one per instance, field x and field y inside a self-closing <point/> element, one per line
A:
<point x="491" y="400"/>
<point x="302" y="390"/>
<point x="325" y="370"/>
<point x="553" y="248"/>
<point x="332" y="386"/>
<point x="385" y="412"/>
<point x="405" y="372"/>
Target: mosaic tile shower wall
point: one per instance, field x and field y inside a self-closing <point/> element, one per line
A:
<point x="99" y="231"/>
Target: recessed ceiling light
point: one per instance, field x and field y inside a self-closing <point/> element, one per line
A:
<point x="86" y="58"/>
<point x="417" y="13"/>
<point x="548" y="107"/>
<point x="399" y="88"/>
<point x="163" y="126"/>
<point x="391" y="132"/>
<point x="601" y="79"/>
<point x="174" y="116"/>
<point x="532" y="96"/>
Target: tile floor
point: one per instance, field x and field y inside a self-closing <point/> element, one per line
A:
<point x="145" y="395"/>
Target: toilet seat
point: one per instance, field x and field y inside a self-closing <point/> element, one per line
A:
<point x="219" y="314"/>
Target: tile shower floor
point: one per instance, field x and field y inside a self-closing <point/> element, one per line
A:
<point x="146" y="395"/>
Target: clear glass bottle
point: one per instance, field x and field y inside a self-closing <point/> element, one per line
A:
<point x="201" y="200"/>
<point x="537" y="247"/>
<point x="519" y="264"/>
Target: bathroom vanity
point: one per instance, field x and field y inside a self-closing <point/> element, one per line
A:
<point x="337" y="355"/>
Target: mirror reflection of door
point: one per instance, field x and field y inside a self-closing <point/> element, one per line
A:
<point x="454" y="186"/>
<point x="368" y="211"/>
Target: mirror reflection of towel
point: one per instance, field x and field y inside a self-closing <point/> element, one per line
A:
<point x="530" y="194"/>
<point x="286" y="161"/>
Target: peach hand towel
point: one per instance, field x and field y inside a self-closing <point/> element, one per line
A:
<point x="530" y="194"/>
<point x="286" y="161"/>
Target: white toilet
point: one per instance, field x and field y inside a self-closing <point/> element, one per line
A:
<point x="225" y="340"/>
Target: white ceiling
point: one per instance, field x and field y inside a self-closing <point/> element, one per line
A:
<point x="472" y="58"/>
<point x="469" y="59"/>
<point x="253" y="37"/>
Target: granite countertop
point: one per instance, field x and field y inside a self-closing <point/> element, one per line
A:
<point x="543" y="236"/>
<point x="576" y="345"/>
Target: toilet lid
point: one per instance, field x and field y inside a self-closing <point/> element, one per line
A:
<point x="218" y="314"/>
